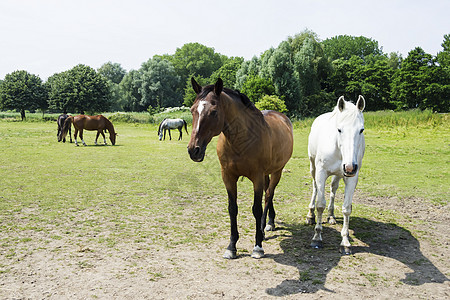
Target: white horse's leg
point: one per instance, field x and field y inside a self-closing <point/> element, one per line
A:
<point x="350" y="185"/>
<point x="311" y="217"/>
<point x="321" y="177"/>
<point x="334" y="187"/>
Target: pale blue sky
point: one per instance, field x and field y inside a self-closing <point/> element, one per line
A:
<point x="50" y="36"/>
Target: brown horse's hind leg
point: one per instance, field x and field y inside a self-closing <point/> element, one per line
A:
<point x="268" y="207"/>
<point x="96" y="137"/>
<point x="75" y="134"/>
<point x="81" y="137"/>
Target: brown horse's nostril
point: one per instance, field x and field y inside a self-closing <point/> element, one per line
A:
<point x="195" y="151"/>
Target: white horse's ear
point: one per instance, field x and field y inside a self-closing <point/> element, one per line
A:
<point x="341" y="103"/>
<point x="361" y="103"/>
<point x="197" y="88"/>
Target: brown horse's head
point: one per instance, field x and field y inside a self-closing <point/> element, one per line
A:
<point x="112" y="137"/>
<point x="207" y="118"/>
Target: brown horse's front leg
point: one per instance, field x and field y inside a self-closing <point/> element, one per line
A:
<point x="104" y="137"/>
<point x="231" y="186"/>
<point x="258" y="187"/>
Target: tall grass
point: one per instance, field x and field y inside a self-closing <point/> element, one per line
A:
<point x="374" y="120"/>
<point x="411" y="118"/>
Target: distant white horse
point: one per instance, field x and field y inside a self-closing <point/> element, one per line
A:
<point x="336" y="148"/>
<point x="168" y="124"/>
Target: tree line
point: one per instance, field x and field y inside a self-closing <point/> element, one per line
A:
<point x="303" y="77"/>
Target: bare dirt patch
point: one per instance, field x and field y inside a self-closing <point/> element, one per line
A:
<point x="389" y="261"/>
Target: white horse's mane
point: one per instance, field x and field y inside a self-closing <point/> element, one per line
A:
<point x="348" y="114"/>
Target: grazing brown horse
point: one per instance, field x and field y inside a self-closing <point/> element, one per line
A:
<point x="82" y="122"/>
<point x="61" y="119"/>
<point x="252" y="143"/>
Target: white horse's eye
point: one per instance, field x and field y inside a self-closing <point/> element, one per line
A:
<point x="339" y="130"/>
<point x="361" y="131"/>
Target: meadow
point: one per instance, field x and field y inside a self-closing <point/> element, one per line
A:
<point x="67" y="211"/>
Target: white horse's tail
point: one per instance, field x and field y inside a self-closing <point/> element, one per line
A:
<point x="185" y="126"/>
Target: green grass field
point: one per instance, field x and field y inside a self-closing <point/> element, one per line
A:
<point x="105" y="193"/>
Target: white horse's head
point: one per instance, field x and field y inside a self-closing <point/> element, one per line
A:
<point x="350" y="127"/>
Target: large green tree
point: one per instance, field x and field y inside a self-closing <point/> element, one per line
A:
<point x="22" y="91"/>
<point x="281" y="70"/>
<point x="421" y="83"/>
<point x="129" y="92"/>
<point x="345" y="46"/>
<point x="256" y="87"/>
<point x="194" y="59"/>
<point x="80" y="89"/>
<point x="158" y="84"/>
<point x="227" y="72"/>
<point x="112" y="72"/>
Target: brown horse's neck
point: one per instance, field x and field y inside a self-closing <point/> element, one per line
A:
<point x="110" y="127"/>
<point x="241" y="121"/>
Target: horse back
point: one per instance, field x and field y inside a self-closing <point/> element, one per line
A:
<point x="90" y="122"/>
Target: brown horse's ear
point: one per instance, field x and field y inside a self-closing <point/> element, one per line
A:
<point x="218" y="87"/>
<point x="197" y="88"/>
<point x="341" y="103"/>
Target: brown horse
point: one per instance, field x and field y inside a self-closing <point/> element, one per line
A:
<point x="81" y="122"/>
<point x="252" y="143"/>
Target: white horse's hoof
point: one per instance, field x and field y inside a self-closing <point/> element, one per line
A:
<point x="229" y="254"/>
<point x="310" y="220"/>
<point x="317" y="244"/>
<point x="270" y="227"/>
<point x="346" y="250"/>
<point x="258" y="252"/>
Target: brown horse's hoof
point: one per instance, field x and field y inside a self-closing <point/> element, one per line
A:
<point x="258" y="252"/>
<point x="229" y="254"/>
<point x="270" y="227"/>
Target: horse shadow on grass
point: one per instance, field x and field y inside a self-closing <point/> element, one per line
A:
<point x="383" y="239"/>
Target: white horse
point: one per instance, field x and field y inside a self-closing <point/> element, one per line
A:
<point x="168" y="124"/>
<point x="336" y="148"/>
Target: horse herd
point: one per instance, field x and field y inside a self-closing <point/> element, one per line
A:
<point x="258" y="144"/>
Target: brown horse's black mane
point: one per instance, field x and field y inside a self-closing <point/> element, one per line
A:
<point x="235" y="94"/>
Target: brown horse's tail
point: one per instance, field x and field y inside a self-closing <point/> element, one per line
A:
<point x="66" y="127"/>
<point x="185" y="126"/>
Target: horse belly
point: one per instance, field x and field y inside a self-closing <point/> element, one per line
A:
<point x="280" y="141"/>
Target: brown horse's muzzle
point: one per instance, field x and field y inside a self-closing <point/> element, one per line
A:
<point x="197" y="153"/>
